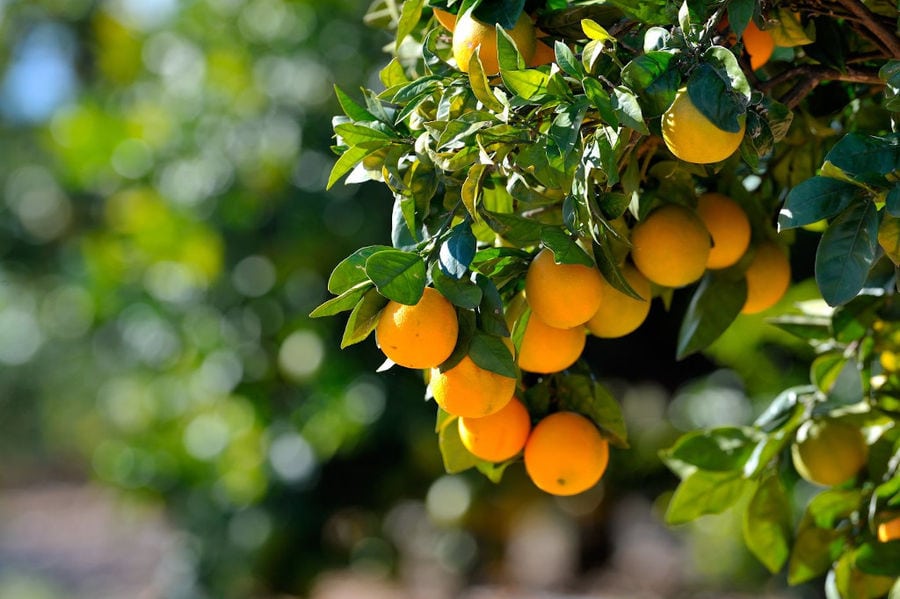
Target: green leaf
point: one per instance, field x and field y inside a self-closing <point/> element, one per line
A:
<point x="726" y="65"/>
<point x="782" y="408"/>
<point x="490" y="353"/>
<point x="491" y="318"/>
<point x="846" y="252"/>
<point x="398" y="275"/>
<point x="502" y="12"/>
<point x="579" y="393"/>
<point x="815" y="199"/>
<point x="409" y="18"/>
<point x="565" y="249"/>
<point x="627" y="109"/>
<point x="342" y="303"/>
<point x="529" y="84"/>
<point x="567" y="60"/>
<point x="599" y="99"/>
<point x="364" y="318"/>
<point x="890" y="73"/>
<point x="825" y="369"/>
<point x="654" y="80"/>
<point x="454" y="454"/>
<point x="829" y="507"/>
<point x="393" y="76"/>
<point x="714" y="306"/>
<point x="355" y="135"/>
<point x="866" y="158"/>
<point x="812" y="554"/>
<point x="459" y="292"/>
<point x="892" y="201"/>
<point x="595" y="31"/>
<point x="767" y="523"/>
<point x="710" y="91"/>
<point x="515" y="229"/>
<point x="351" y="157"/>
<point x="351" y="271"/>
<point x="472" y="188"/>
<point x="480" y="85"/>
<point x="718" y="450"/>
<point x="889" y="237"/>
<point x="882" y="559"/>
<point x="739" y="14"/>
<point x="351" y="108"/>
<point x="508" y="55"/>
<point x="566" y="127"/>
<point x="704" y="493"/>
<point x="458" y="250"/>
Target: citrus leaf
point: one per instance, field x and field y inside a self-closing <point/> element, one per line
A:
<point x="715" y="304"/>
<point x="480" y="85"/>
<point x="704" y="493"/>
<point x="815" y="199"/>
<point x="342" y="303"/>
<point x="739" y="14"/>
<point x="627" y="109"/>
<point x="653" y="80"/>
<point x="490" y="353"/>
<point x="458" y="250"/>
<point x="866" y="158"/>
<point x="567" y="60"/>
<point x="502" y="12"/>
<point x="364" y="318"/>
<point x="882" y="559"/>
<point x="767" y="523"/>
<point x="812" y="554"/>
<point x="566" y="127"/>
<point x="409" y="18"/>
<point x="454" y="454"/>
<point x="565" y="249"/>
<point x="459" y="292"/>
<point x="351" y="271"/>
<point x="491" y="318"/>
<point x="351" y="107"/>
<point x="846" y="252"/>
<point x="580" y="393"/>
<point x="397" y="275"/>
<point x="508" y="55"/>
<point x="351" y="157"/>
<point x="718" y="450"/>
<point x="889" y="237"/>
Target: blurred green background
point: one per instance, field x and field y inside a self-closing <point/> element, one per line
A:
<point x="171" y="422"/>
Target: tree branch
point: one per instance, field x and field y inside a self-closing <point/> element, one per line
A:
<point x="812" y="75"/>
<point x="886" y="38"/>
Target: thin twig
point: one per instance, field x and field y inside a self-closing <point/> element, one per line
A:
<point x="887" y="39"/>
<point x="811" y="76"/>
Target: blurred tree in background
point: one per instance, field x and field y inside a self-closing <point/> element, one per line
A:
<point x="164" y="233"/>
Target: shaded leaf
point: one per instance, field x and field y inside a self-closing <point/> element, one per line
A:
<point x="364" y="318"/>
<point x="846" y="252"/>
<point x="715" y="304"/>
<point x="491" y="353"/>
<point x="815" y="199"/>
<point x="398" y="275"/>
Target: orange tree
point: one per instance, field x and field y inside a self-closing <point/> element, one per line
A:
<point x="593" y="133"/>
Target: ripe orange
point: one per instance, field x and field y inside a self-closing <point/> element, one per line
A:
<point x="419" y="336"/>
<point x="889" y="530"/>
<point x="828" y="452"/>
<point x="471" y="35"/>
<point x="543" y="54"/>
<point x="445" y="18"/>
<point x="565" y="454"/>
<point x="547" y="349"/>
<point x="694" y="138"/>
<point x="620" y="314"/>
<point x="470" y="391"/>
<point x="670" y="246"/>
<point x="497" y="437"/>
<point x="759" y="45"/>
<point x="562" y="295"/>
<point x="768" y="278"/>
<point x="728" y="226"/>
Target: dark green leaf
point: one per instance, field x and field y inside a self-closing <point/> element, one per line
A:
<point x="846" y="252"/>
<point x="892" y="201"/>
<point x="710" y="91"/>
<point x="815" y="199"/>
<point x="627" y="109"/>
<point x="767" y="523"/>
<point x="458" y="250"/>
<point x="654" y="80"/>
<point x="830" y="45"/>
<point x="579" y="393"/>
<point x="739" y="14"/>
<point x="714" y="306"/>
<point x="515" y="229"/>
<point x="459" y="292"/>
<point x="364" y="318"/>
<point x="565" y="249"/>
<point x="491" y="318"/>
<point x="866" y="158"/>
<point x="599" y="99"/>
<point x="882" y="559"/>
<point x="502" y="12"/>
<point x="491" y="353"/>
<point x="566" y="127"/>
<point x="398" y="275"/>
<point x="704" y="493"/>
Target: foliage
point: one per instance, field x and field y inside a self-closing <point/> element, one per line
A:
<point x="485" y="171"/>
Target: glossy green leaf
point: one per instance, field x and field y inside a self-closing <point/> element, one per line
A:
<point x="710" y="91"/>
<point x="409" y="18"/>
<point x="627" y="109"/>
<point x="458" y="250"/>
<point x="704" y="493"/>
<point x="882" y="559"/>
<point x="351" y="271"/>
<point x="351" y="107"/>
<point x="565" y="249"/>
<point x="504" y="13"/>
<point x="846" y="252"/>
<point x="343" y="302"/>
<point x="459" y="292"/>
<point x="739" y="14"/>
<point x="654" y="80"/>
<point x="565" y="130"/>
<point x="397" y="275"/>
<point x="715" y="304"/>
<point x="866" y="158"/>
<point x="816" y="199"/>
<point x="491" y="353"/>
<point x="491" y="318"/>
<point x="514" y="228"/>
<point x="719" y="450"/>
<point x="364" y="318"/>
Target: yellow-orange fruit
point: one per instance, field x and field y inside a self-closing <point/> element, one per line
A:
<point x="471" y="35"/>
<point x="545" y="349"/>
<point x="759" y="45"/>
<point x="889" y="530"/>
<point x="565" y="454"/>
<point x="543" y="54"/>
<point x="562" y="295"/>
<point x="768" y="278"/>
<point x="728" y="226"/>
<point x="497" y="437"/>
<point x="671" y="246"/>
<point x="694" y="138"/>
<point x="470" y="391"/>
<point x="828" y="452"/>
<point x="419" y="336"/>
<point x="445" y="18"/>
<point x="620" y="314"/>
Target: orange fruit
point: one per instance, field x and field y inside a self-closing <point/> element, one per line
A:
<point x="620" y="314"/>
<point x="562" y="295"/>
<point x="759" y="45"/>
<point x="565" y="454"/>
<point x="467" y="390"/>
<point x="499" y="436"/>
<point x="828" y="452"/>
<point x="547" y="349"/>
<point x="543" y="54"/>
<point x="694" y="138"/>
<point x="445" y="18"/>
<point x="728" y="226"/>
<point x="889" y="530"/>
<point x="768" y="278"/>
<point x="471" y="35"/>
<point x="670" y="246"/>
<point x="419" y="336"/>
